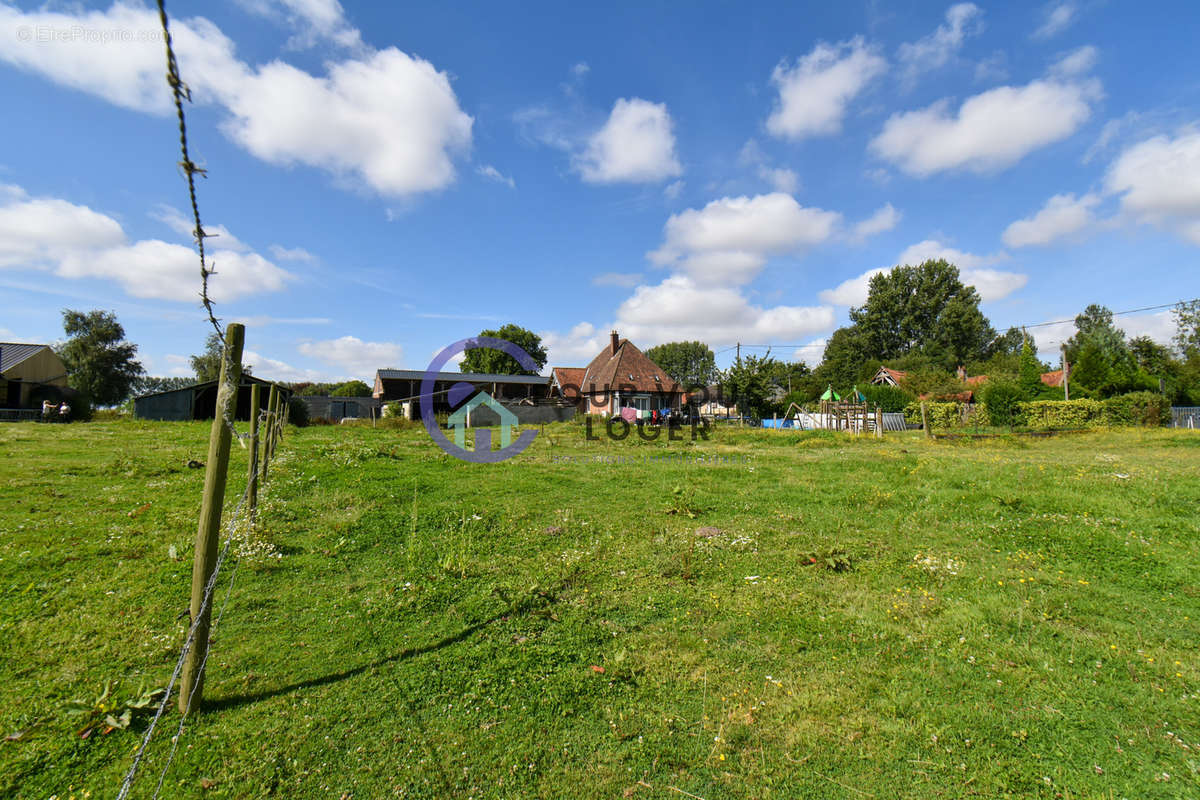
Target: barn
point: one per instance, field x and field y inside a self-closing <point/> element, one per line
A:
<point x="199" y="401"/>
<point x="404" y="385"/>
<point x="30" y="373"/>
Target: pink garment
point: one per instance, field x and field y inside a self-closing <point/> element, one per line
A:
<point x="629" y="414"/>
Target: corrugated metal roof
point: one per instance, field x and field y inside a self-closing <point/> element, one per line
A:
<point x="13" y="353"/>
<point x="468" y="377"/>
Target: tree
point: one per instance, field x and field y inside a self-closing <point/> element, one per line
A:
<point x="496" y="362"/>
<point x="207" y="365"/>
<point x="151" y="385"/>
<point x="748" y="383"/>
<point x="1151" y="356"/>
<point x="351" y="389"/>
<point x="690" y="364"/>
<point x="924" y="309"/>
<point x="99" y="361"/>
<point x="1095" y="325"/>
<point x="1187" y="328"/>
<point x="1030" y="371"/>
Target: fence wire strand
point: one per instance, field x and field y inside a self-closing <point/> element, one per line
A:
<point x="236" y="518"/>
<point x="181" y="92"/>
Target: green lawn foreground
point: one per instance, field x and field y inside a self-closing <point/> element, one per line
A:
<point x="1019" y="617"/>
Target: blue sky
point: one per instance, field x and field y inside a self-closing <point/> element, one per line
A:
<point x="391" y="178"/>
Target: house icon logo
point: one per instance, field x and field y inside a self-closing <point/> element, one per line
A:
<point x="461" y="416"/>
<point x="460" y="420"/>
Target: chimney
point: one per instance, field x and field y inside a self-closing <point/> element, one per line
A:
<point x="962" y="373"/>
<point x="616" y="342"/>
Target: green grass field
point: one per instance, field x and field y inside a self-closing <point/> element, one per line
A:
<point x="813" y="616"/>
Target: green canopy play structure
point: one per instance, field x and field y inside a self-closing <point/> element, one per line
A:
<point x="830" y="394"/>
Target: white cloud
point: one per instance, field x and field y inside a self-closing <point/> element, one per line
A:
<point x="781" y="179"/>
<point x="40" y="232"/>
<point x="680" y="309"/>
<point x="1063" y="215"/>
<point x="933" y="51"/>
<point x="576" y="348"/>
<point x="990" y="131"/>
<point x="636" y="145"/>
<point x="886" y="218"/>
<point x="1057" y="18"/>
<point x="76" y="242"/>
<point x="991" y="284"/>
<point x="493" y="174"/>
<point x="353" y="356"/>
<point x="154" y="268"/>
<point x="176" y="221"/>
<point x="1077" y="62"/>
<point x="626" y="280"/>
<point x="316" y="20"/>
<point x="1158" y="181"/>
<point x="390" y="120"/>
<point x="385" y="118"/>
<point x="276" y="370"/>
<point x="851" y="292"/>
<point x="672" y="190"/>
<point x="291" y="253"/>
<point x="811" y="353"/>
<point x="814" y="93"/>
<point x="729" y="240"/>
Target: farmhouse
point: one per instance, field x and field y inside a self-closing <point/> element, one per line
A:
<point x="27" y="370"/>
<point x="620" y="376"/>
<point x="199" y="401"/>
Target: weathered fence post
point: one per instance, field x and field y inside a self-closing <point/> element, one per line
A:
<point x="273" y="404"/>
<point x="925" y="422"/>
<point x="252" y="474"/>
<point x="191" y="686"/>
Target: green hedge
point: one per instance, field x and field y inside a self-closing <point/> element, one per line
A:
<point x="1137" y="408"/>
<point x="946" y="415"/>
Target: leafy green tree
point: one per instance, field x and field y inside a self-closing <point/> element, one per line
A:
<point x="1095" y="325"/>
<point x="151" y="385"/>
<point x="1030" y="371"/>
<point x="1152" y="357"/>
<point x="100" y="363"/>
<point x="351" y="389"/>
<point x="495" y="362"/>
<point x="1187" y="328"/>
<point x="207" y="365"/>
<point x="691" y="364"/>
<point x="924" y="308"/>
<point x="748" y="382"/>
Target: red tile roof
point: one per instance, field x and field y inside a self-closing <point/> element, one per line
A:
<point x="568" y="376"/>
<point x="1054" y="378"/>
<point x="627" y="367"/>
<point x="975" y="380"/>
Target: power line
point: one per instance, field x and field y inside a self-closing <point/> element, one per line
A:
<point x="1115" y="314"/>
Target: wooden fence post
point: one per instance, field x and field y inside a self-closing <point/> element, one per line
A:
<point x="252" y="474"/>
<point x="925" y="422"/>
<point x="270" y="423"/>
<point x="191" y="685"/>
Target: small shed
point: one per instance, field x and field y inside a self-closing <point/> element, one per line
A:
<point x="199" y="401"/>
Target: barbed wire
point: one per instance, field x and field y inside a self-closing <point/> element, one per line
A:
<point x="180" y="92"/>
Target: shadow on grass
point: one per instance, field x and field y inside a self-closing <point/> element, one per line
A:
<point x="527" y="605"/>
